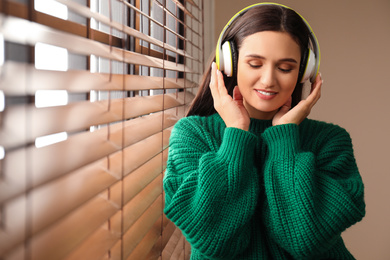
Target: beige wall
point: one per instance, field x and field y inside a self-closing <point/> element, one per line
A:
<point x="355" y="41"/>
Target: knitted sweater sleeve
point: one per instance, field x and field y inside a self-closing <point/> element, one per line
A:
<point x="314" y="192"/>
<point x="211" y="189"/>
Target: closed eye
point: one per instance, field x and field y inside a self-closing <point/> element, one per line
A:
<point x="255" y="65"/>
<point x="285" y="70"/>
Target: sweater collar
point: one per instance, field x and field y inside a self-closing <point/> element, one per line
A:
<point x="258" y="125"/>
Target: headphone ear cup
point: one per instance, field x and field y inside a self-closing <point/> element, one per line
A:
<point x="302" y="66"/>
<point x="308" y="67"/>
<point x="234" y="57"/>
<point x="227" y="59"/>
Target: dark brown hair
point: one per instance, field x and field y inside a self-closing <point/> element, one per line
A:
<point x="257" y="19"/>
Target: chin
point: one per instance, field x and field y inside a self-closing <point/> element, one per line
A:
<point x="263" y="107"/>
<point x="267" y="109"/>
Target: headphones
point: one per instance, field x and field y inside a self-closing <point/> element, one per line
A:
<point x="226" y="53"/>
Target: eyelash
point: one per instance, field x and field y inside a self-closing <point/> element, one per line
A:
<point x="255" y="66"/>
<point x="259" y="66"/>
<point x="285" y="70"/>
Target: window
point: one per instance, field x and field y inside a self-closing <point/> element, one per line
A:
<point x="89" y="93"/>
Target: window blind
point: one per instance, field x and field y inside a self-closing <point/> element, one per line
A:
<point x="89" y="93"/>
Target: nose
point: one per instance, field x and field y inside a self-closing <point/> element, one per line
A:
<point x="267" y="76"/>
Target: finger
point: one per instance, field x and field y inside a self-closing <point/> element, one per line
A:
<point x="288" y="103"/>
<point x="317" y="83"/>
<point x="212" y="84"/>
<point x="315" y="93"/>
<point x="317" y="90"/>
<point x="286" y="106"/>
<point x="283" y="111"/>
<point x="221" y="84"/>
<point x="237" y="94"/>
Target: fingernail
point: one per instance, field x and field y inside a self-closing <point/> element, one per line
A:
<point x="216" y="67"/>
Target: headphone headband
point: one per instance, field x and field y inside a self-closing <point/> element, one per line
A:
<point x="312" y="61"/>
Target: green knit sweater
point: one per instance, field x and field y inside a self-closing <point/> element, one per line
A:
<point x="273" y="192"/>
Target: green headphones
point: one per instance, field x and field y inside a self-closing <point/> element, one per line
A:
<point x="226" y="51"/>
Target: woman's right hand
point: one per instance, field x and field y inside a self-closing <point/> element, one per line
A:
<point x="231" y="110"/>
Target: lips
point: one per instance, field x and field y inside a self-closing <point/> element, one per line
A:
<point x="266" y="95"/>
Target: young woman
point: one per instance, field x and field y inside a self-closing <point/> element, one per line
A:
<point x="248" y="175"/>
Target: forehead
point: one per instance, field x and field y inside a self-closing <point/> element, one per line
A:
<point x="272" y="44"/>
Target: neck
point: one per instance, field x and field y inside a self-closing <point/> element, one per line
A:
<point x="257" y="114"/>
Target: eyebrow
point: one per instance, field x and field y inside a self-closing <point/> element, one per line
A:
<point x="263" y="58"/>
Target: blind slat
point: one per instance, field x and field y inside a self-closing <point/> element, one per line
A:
<point x="145" y="223"/>
<point x="98" y="194"/>
<point x="178" y="252"/>
<point x="97" y="245"/>
<point x="182" y="7"/>
<point x="13" y="228"/>
<point x="16" y="130"/>
<point x="140" y="178"/>
<point x="171" y="14"/>
<point x="75" y="228"/>
<point x="53" y="161"/>
<point x="86" y="12"/>
<point x="34" y="33"/>
<point x="191" y="2"/>
<point x="47" y="210"/>
<point x="169" y="249"/>
<point x="134" y="209"/>
<point x="77" y="81"/>
<point x="187" y="28"/>
<point x="143" y="249"/>
<point x="115" y="252"/>
<point x="153" y="20"/>
<point x="15" y="182"/>
<point x="134" y="131"/>
<point x="21" y="10"/>
<point x="49" y="244"/>
<point x="96" y="174"/>
<point x="16" y="254"/>
<point x="141" y="152"/>
<point x="168" y="229"/>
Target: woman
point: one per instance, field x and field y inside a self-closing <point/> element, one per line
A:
<point x="248" y="175"/>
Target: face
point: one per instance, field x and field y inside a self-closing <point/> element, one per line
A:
<point x="268" y="67"/>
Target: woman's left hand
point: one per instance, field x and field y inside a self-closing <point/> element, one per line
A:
<point x="302" y="109"/>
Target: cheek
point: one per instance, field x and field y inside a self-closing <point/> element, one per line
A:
<point x="245" y="85"/>
<point x="246" y="80"/>
<point x="288" y="84"/>
<point x="289" y="89"/>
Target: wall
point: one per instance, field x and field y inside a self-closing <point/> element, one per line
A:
<point x="354" y="38"/>
<point x="209" y="37"/>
